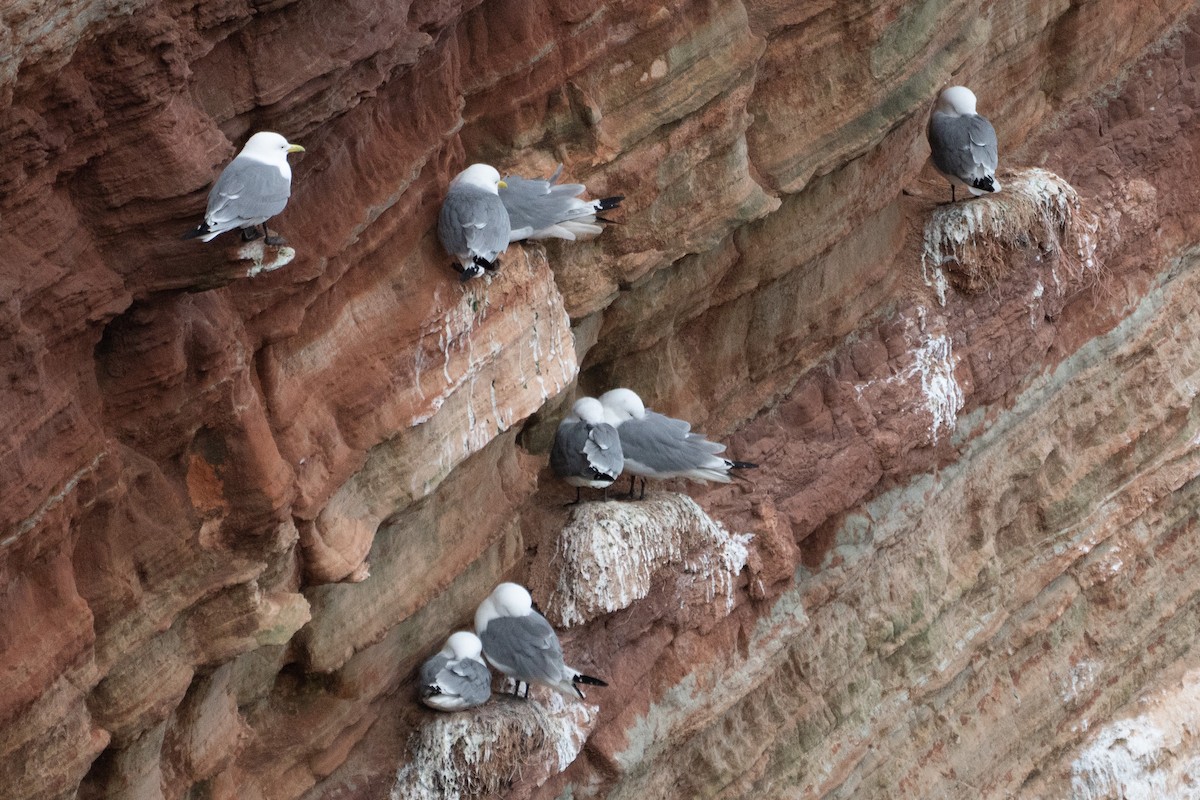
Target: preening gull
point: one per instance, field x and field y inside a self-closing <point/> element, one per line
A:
<point x="962" y="144"/>
<point x="473" y="225"/>
<point x="586" y="450"/>
<point x="456" y="678"/>
<point x="657" y="446"/>
<point x="519" y="642"/>
<point x="254" y="187"/>
<point x="551" y="210"/>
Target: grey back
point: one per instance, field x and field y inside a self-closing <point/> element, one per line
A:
<point x="472" y="223"/>
<point x="963" y="146"/>
<point x="525" y="648"/>
<point x="464" y="677"/>
<point x="247" y="192"/>
<point x="586" y="451"/>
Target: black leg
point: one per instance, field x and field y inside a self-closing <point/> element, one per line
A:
<point x="953" y="199"/>
<point x="274" y="241"/>
<point x="632" y="478"/>
<point x="249" y="234"/>
<point x="642" y="496"/>
<point x="574" y="502"/>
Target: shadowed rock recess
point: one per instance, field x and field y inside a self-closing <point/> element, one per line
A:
<point x="248" y="491"/>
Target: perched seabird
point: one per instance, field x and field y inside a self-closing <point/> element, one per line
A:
<point x="519" y="642"/>
<point x="657" y="446"/>
<point x="456" y="678"/>
<point x="586" y="450"/>
<point x="473" y="225"/>
<point x="551" y="210"/>
<point x="254" y="187"/>
<point x="962" y="144"/>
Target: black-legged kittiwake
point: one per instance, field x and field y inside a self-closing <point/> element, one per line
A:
<point x="551" y="210"/>
<point x="456" y="678"/>
<point x="254" y="187"/>
<point x="962" y="144"/>
<point x="586" y="450"/>
<point x="657" y="446"/>
<point x="473" y="225"/>
<point x="519" y="642"/>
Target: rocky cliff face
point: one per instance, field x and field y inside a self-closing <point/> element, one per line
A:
<point x="241" y="510"/>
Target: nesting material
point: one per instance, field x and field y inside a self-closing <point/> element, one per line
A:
<point x="484" y="751"/>
<point x="971" y="242"/>
<point x="265" y="259"/>
<point x="609" y="552"/>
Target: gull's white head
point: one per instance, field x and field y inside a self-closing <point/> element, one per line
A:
<point x="956" y="100"/>
<point x="622" y="404"/>
<point x="270" y="147"/>
<point x="506" y="600"/>
<point x="512" y="600"/>
<point x="589" y="410"/>
<point x="481" y="176"/>
<point x="463" y="644"/>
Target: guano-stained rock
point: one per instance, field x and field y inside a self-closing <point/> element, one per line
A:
<point x="240" y="510"/>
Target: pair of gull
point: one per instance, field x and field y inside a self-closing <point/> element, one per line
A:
<point x="515" y="639"/>
<point x="616" y="433"/>
<point x="484" y="213"/>
<point x="478" y="221"/>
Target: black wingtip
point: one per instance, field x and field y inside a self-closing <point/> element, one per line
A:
<point x="467" y="273"/>
<point x="589" y="680"/>
<point x="196" y="233"/>
<point x="742" y="465"/>
<point x="607" y="203"/>
<point x="984" y="184"/>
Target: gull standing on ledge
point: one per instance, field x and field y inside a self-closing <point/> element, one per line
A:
<point x="519" y="642"/>
<point x="552" y="210"/>
<point x="456" y="678"/>
<point x="587" y="450"/>
<point x="254" y="187"/>
<point x="473" y="225"/>
<point x="657" y="446"/>
<point x="962" y="144"/>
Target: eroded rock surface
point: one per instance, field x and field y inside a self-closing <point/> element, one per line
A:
<point x="242" y="509"/>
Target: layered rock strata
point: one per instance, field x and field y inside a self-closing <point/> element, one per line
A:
<point x="241" y="511"/>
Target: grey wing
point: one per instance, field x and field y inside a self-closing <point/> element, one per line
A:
<point x="247" y="191"/>
<point x="539" y="204"/>
<point x="473" y="223"/>
<point x="602" y="449"/>
<point x="524" y="647"/>
<point x="430" y="671"/>
<point x="657" y="442"/>
<point x="566" y="454"/>
<point x="681" y="427"/>
<point x="984" y="148"/>
<point x="962" y="146"/>
<point x="468" y="679"/>
<point x="684" y="430"/>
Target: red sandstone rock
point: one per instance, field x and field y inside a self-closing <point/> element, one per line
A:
<point x="973" y="522"/>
